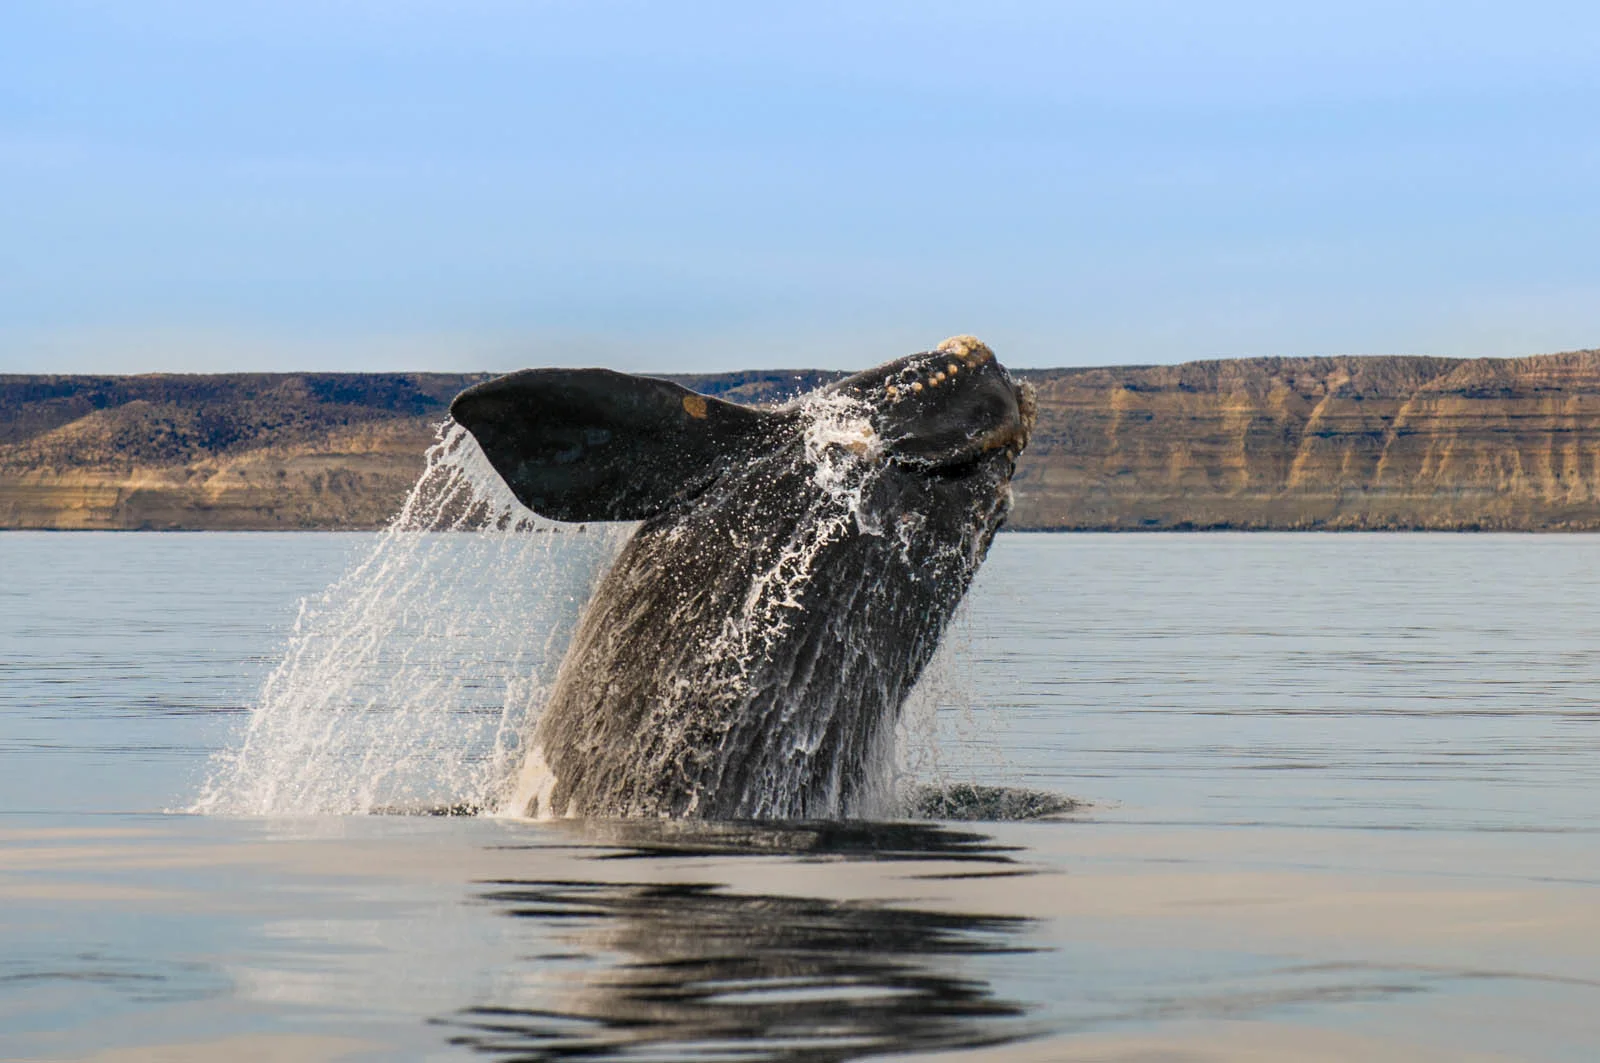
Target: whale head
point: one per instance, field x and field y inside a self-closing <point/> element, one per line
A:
<point x="947" y="412"/>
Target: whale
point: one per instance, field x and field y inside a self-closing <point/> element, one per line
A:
<point x="748" y="653"/>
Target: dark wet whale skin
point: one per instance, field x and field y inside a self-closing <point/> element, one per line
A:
<point x="747" y="654"/>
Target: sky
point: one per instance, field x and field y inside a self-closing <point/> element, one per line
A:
<point x="703" y="186"/>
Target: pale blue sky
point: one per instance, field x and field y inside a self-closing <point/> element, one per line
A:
<point x="212" y="186"/>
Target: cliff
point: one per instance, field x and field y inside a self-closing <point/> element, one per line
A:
<point x="1389" y="442"/>
<point x="1336" y="443"/>
<point x="241" y="451"/>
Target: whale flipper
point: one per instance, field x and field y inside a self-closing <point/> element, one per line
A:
<point x="592" y="444"/>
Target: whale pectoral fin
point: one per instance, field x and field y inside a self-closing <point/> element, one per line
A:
<point x="592" y="444"/>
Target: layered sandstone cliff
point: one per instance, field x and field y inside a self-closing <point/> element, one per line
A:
<point x="1260" y="443"/>
<point x="240" y="451"/>
<point x="1318" y="443"/>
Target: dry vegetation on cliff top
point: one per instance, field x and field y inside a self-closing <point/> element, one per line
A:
<point x="1384" y="442"/>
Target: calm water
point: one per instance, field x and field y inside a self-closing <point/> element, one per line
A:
<point x="1344" y="787"/>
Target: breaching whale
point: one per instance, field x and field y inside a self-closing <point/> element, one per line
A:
<point x="747" y="654"/>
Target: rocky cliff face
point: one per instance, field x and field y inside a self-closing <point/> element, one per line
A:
<point x="1318" y="443"/>
<point x="237" y="451"/>
<point x="241" y="451"/>
<point x="1260" y="443"/>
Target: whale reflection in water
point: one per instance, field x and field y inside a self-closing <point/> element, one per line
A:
<point x="699" y="972"/>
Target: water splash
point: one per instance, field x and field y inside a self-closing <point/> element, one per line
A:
<point x="411" y="683"/>
<point x="415" y="682"/>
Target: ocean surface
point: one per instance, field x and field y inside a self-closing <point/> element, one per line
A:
<point x="1343" y="802"/>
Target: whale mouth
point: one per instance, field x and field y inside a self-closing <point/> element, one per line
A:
<point x="973" y="452"/>
<point x="988" y="452"/>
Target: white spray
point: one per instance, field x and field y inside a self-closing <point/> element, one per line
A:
<point x="413" y="682"/>
<point x="410" y="683"/>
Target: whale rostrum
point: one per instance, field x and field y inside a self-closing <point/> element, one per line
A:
<point x="748" y="653"/>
